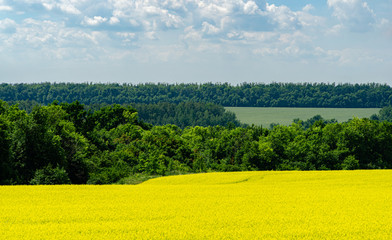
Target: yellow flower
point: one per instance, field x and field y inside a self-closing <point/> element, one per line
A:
<point x="241" y="205"/>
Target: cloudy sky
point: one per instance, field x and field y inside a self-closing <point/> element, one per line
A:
<point x="176" y="41"/>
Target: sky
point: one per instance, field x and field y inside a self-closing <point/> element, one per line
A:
<point x="196" y="41"/>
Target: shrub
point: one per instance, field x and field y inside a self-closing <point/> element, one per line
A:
<point x="50" y="176"/>
<point x="350" y="163"/>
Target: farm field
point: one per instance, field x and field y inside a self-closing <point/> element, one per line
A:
<point x="285" y="116"/>
<point x="241" y="205"/>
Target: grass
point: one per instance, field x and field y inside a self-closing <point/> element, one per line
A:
<point x="285" y="116"/>
<point x="136" y="179"/>
<point x="240" y="205"/>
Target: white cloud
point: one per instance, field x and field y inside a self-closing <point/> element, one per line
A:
<point x="148" y="14"/>
<point x="335" y="30"/>
<point x="51" y="40"/>
<point x="355" y="56"/>
<point x="201" y="23"/>
<point x="307" y="8"/>
<point x="287" y="19"/>
<point x="7" y="25"/>
<point x="197" y="32"/>
<point x="251" y="7"/>
<point x="259" y="36"/>
<point x="295" y="46"/>
<point x="68" y="7"/>
<point x="151" y="35"/>
<point x="65" y="6"/>
<point x="349" y="56"/>
<point x="210" y="29"/>
<point x="128" y="40"/>
<point x="171" y="20"/>
<point x="283" y="16"/>
<point x="238" y="27"/>
<point x="114" y="20"/>
<point x="190" y="34"/>
<point x="48" y="6"/>
<point x="213" y="10"/>
<point x="354" y="14"/>
<point x="220" y="19"/>
<point x="5" y="8"/>
<point x="127" y="35"/>
<point x="95" y="21"/>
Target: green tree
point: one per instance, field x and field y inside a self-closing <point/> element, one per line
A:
<point x="110" y="117"/>
<point x="350" y="163"/>
<point x="49" y="176"/>
<point x="5" y="165"/>
<point x="34" y="145"/>
<point x="368" y="141"/>
<point x="77" y="114"/>
<point x="385" y="114"/>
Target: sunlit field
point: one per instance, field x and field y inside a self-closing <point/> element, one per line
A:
<point x="243" y="205"/>
<point x="285" y="116"/>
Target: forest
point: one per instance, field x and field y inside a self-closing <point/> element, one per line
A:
<point x="324" y="95"/>
<point x="186" y="114"/>
<point x="64" y="143"/>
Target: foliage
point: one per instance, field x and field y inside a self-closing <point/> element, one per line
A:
<point x="317" y="119"/>
<point x="4" y="150"/>
<point x="350" y="163"/>
<point x="385" y="114"/>
<point x="49" y="175"/>
<point x="111" y="144"/>
<point x="186" y="114"/>
<point x="243" y="95"/>
<point x="136" y="178"/>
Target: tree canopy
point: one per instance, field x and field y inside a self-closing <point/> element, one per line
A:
<point x="243" y="95"/>
<point x="66" y="143"/>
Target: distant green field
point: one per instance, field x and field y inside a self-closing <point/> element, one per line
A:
<point x="285" y="116"/>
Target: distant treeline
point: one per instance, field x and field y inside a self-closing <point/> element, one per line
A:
<point x="244" y="95"/>
<point x="186" y="114"/>
<point x="65" y="143"/>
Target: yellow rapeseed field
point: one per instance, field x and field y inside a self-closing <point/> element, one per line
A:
<point x="244" y="205"/>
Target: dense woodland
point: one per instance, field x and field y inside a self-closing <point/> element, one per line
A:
<point x="186" y="114"/>
<point x="66" y="143"/>
<point x="246" y="94"/>
<point x="183" y="115"/>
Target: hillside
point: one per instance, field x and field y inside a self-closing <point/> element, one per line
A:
<point x="65" y="143"/>
<point x="265" y="178"/>
<point x="246" y="205"/>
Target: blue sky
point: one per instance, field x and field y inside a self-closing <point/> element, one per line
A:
<point x="174" y="41"/>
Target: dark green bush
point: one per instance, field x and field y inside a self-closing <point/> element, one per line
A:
<point x="50" y="176"/>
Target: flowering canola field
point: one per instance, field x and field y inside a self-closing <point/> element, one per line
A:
<point x="243" y="205"/>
